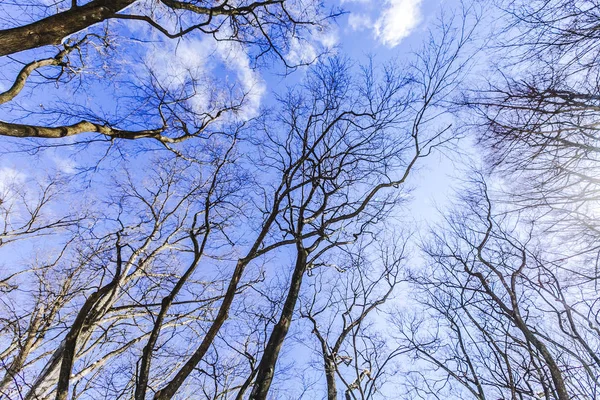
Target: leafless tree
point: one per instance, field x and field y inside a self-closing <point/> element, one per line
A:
<point x="30" y="211"/>
<point x="502" y="318"/>
<point x="109" y="274"/>
<point x="31" y="215"/>
<point x="537" y="113"/>
<point x="164" y="289"/>
<point x="371" y="161"/>
<point x="71" y="44"/>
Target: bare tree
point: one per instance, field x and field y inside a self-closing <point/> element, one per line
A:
<point x="388" y="165"/>
<point x="29" y="211"/>
<point x="262" y="23"/>
<point x="500" y="312"/>
<point x="537" y="113"/>
<point x="31" y="215"/>
<point x="165" y="289"/>
<point x="252" y="30"/>
<point x="109" y="275"/>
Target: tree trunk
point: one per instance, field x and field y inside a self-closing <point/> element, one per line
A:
<point x="330" y="369"/>
<point x="266" y="368"/>
<point x="171" y="388"/>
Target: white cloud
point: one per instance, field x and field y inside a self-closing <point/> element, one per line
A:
<point x="10" y="176"/>
<point x="397" y="21"/>
<point x="301" y="52"/>
<point x="64" y="165"/>
<point x="328" y="37"/>
<point x="10" y="180"/>
<point x="306" y="50"/>
<point x="173" y="63"/>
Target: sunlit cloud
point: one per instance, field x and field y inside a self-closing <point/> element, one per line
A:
<point x="10" y="180"/>
<point x="64" y="165"/>
<point x="360" y="21"/>
<point x="395" y="22"/>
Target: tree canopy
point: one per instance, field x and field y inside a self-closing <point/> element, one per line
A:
<point x="225" y="200"/>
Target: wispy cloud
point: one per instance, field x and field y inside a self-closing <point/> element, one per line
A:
<point x="63" y="164"/>
<point x="234" y="56"/>
<point x="200" y="60"/>
<point x="360" y="21"/>
<point x="306" y="50"/>
<point x="10" y="180"/>
<point x="10" y="176"/>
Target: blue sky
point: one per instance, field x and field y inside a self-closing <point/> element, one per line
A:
<point x="387" y="30"/>
<point x="116" y="185"/>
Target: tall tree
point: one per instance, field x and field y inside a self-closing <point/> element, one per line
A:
<point x="502" y="317"/>
<point x="388" y="165"/>
<point x="165" y="289"/>
<point x="538" y="112"/>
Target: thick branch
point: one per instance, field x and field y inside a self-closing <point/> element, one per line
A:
<point x="223" y="9"/>
<point x="34" y="131"/>
<point x="21" y="79"/>
<point x="28" y="69"/>
<point x="266" y="367"/>
<point x="53" y="29"/>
